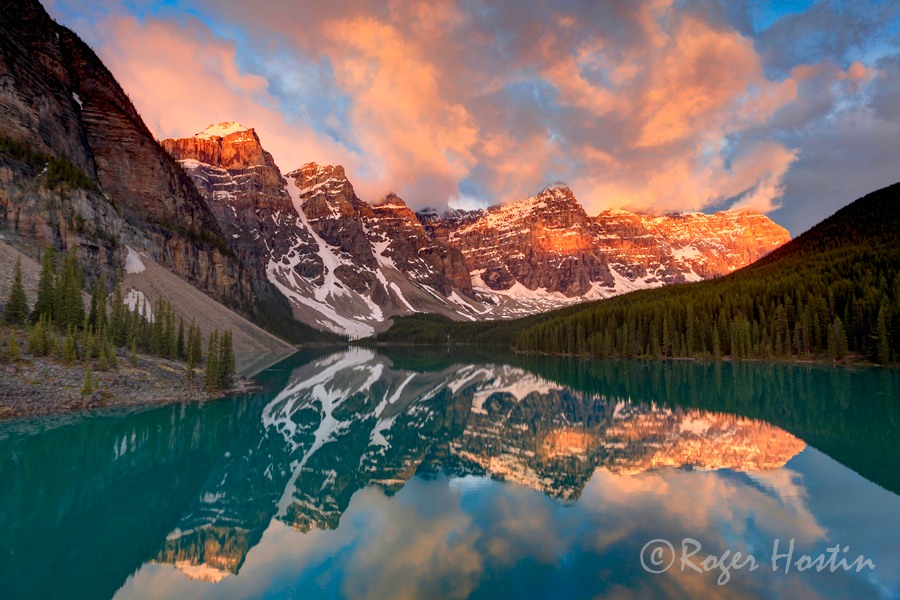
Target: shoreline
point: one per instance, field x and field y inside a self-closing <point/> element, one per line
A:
<point x="45" y="386"/>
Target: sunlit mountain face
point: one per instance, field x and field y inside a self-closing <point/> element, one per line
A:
<point x="426" y="473"/>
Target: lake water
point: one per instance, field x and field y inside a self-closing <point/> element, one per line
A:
<point x="425" y="474"/>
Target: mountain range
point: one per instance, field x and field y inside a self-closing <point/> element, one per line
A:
<point x="299" y="252"/>
<point x="349" y="266"/>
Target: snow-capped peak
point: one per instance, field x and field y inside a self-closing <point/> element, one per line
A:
<point x="221" y="130"/>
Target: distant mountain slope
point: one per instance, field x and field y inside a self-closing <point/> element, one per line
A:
<point x="834" y="290"/>
<point x="547" y="247"/>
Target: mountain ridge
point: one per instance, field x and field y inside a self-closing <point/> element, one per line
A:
<point x="351" y="266"/>
<point x="832" y="294"/>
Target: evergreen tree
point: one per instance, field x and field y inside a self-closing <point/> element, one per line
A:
<point x="16" y="311"/>
<point x="213" y="372"/>
<point x="226" y="361"/>
<point x="111" y="355"/>
<point x="36" y="339"/>
<point x="69" y="354"/>
<point x="117" y="316"/>
<point x="883" y="347"/>
<point x="180" y="352"/>
<point x="46" y="296"/>
<point x="88" y="388"/>
<point x="68" y="302"/>
<point x="97" y="316"/>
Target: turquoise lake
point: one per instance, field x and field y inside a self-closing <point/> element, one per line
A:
<point x="427" y="473"/>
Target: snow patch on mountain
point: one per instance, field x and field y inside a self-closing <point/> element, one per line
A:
<point x="221" y="130"/>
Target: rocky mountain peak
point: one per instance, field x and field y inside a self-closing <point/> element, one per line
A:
<point x="393" y="206"/>
<point x="57" y="97"/>
<point x="228" y="146"/>
<point x="312" y="174"/>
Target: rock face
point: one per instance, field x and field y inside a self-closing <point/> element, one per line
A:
<point x="547" y="246"/>
<point x="546" y="243"/>
<point x="369" y="263"/>
<point x="401" y="238"/>
<point x="244" y="190"/>
<point x="58" y="99"/>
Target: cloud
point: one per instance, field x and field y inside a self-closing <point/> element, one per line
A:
<point x="652" y="105"/>
<point x="182" y="78"/>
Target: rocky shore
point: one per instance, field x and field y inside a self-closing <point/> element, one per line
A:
<point x="34" y="386"/>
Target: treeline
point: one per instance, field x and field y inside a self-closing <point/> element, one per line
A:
<point x="832" y="292"/>
<point x="61" y="326"/>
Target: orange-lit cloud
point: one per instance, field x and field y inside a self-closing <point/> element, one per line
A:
<point x="642" y="105"/>
<point x="181" y="79"/>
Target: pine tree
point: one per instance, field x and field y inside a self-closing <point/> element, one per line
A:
<point x="213" y="372"/>
<point x="88" y="388"/>
<point x="97" y="315"/>
<point x="46" y="296"/>
<point x="69" y="304"/>
<point x="94" y="314"/>
<point x="111" y="355"/>
<point x="191" y="351"/>
<point x="837" y="340"/>
<point x="117" y="316"/>
<point x="883" y="348"/>
<point x="36" y="339"/>
<point x="171" y="339"/>
<point x="180" y="353"/>
<point x="102" y="359"/>
<point x="16" y="311"/>
<point x="69" y="351"/>
<point x="226" y="361"/>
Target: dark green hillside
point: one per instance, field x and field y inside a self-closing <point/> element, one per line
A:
<point x="831" y="293"/>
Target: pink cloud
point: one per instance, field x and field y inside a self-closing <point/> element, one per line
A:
<point x="181" y="78"/>
<point x="641" y="105"/>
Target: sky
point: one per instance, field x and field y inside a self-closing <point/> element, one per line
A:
<point x="790" y="108"/>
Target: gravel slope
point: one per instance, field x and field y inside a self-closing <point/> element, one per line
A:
<point x="255" y="349"/>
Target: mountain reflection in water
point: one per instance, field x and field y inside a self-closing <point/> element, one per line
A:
<point x="355" y="428"/>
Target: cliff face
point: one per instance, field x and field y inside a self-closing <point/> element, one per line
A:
<point x="547" y="246"/>
<point x="545" y="243"/>
<point x="57" y="98"/>
<point x="400" y="237"/>
<point x="244" y="190"/>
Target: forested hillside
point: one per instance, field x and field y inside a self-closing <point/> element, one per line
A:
<point x="831" y="293"/>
